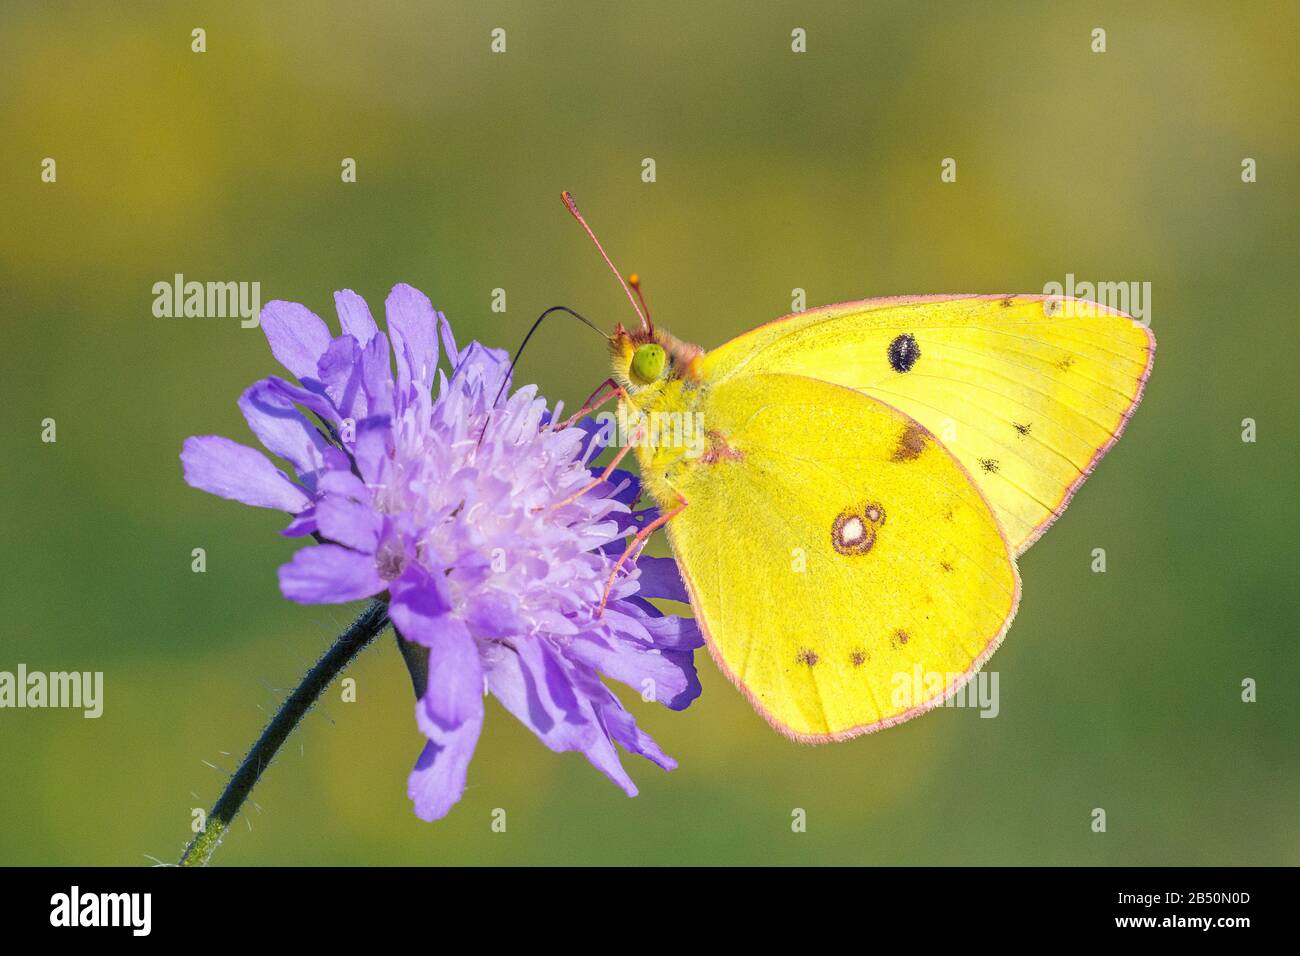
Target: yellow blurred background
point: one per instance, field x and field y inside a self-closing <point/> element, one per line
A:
<point x="775" y="171"/>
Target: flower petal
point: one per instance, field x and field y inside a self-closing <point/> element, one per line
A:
<point x="643" y="669"/>
<point x="303" y="524"/>
<point x="329" y="574"/>
<point x="348" y="523"/>
<point x="312" y="401"/>
<point x="448" y="341"/>
<point x="354" y="316"/>
<point x="297" y="335"/>
<point x="437" y="781"/>
<point x="340" y="372"/>
<point x="377" y="376"/>
<point x="516" y="676"/>
<point x="660" y="578"/>
<point x="604" y="757"/>
<point x="412" y="326"/>
<point x="450" y="714"/>
<point x="495" y="613"/>
<point x="419" y="606"/>
<point x="278" y="424"/>
<point x="373" y="450"/>
<point x="666" y="631"/>
<point x="343" y="483"/>
<point x="231" y="470"/>
<point x="622" y="727"/>
<point x="455" y="684"/>
<point x="481" y="369"/>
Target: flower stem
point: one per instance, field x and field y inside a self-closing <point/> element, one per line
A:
<point x="362" y="631"/>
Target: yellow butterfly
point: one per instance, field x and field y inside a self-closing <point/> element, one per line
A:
<point x="865" y="477"/>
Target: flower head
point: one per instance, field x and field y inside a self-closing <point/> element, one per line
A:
<point x="451" y="506"/>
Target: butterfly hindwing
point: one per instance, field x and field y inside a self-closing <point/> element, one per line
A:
<point x="834" y="550"/>
<point x="1027" y="392"/>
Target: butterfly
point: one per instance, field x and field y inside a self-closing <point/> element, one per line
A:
<point x="863" y="479"/>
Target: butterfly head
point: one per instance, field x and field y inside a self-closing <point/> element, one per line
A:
<point x="647" y="359"/>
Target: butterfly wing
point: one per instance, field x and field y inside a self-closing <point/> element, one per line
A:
<point x="835" y="553"/>
<point x="1027" y="391"/>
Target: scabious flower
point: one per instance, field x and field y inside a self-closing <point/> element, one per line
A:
<point x="448" y="505"/>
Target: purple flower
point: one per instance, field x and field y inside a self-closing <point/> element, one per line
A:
<point x="464" y="536"/>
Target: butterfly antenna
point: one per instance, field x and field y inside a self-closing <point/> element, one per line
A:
<point x="573" y="211"/>
<point x="634" y="281"/>
<point x="520" y="351"/>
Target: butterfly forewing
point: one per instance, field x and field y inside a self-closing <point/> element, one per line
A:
<point x="1027" y="392"/>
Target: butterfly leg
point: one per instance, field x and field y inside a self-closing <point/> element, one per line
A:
<point x="604" y="475"/>
<point x="638" y="542"/>
<point x="591" y="404"/>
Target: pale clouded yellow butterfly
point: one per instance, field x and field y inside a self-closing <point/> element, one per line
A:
<point x="868" y="475"/>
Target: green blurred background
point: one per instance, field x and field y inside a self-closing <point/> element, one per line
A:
<point x="775" y="170"/>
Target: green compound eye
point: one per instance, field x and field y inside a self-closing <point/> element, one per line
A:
<point x="648" y="363"/>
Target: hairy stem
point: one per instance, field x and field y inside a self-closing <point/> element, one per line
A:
<point x="362" y="631"/>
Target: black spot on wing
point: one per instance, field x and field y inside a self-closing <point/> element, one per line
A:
<point x="903" y="352"/>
